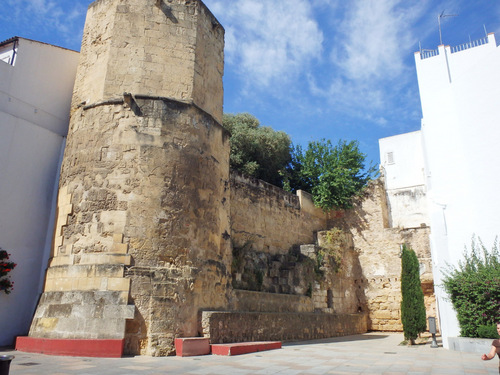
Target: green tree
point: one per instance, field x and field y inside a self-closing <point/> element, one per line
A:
<point x="258" y="151"/>
<point x="412" y="302"/>
<point x="332" y="174"/>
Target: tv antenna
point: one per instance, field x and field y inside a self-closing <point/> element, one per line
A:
<point x="442" y="15"/>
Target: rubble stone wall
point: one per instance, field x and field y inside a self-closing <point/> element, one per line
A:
<point x="378" y="248"/>
<point x="224" y="327"/>
<point x="245" y="300"/>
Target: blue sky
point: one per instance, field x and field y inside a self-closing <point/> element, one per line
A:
<point x="315" y="69"/>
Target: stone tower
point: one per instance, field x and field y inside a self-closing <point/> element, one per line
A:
<point x="141" y="243"/>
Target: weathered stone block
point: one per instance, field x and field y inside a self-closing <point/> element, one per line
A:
<point x="57" y="311"/>
<point x="118" y="284"/>
<point x="223" y="327"/>
<point x="119" y="311"/>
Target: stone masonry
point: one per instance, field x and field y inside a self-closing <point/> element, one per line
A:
<point x="142" y="234"/>
<point x="149" y="219"/>
<point x="378" y="247"/>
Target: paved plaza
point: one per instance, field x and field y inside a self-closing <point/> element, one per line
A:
<point x="372" y="353"/>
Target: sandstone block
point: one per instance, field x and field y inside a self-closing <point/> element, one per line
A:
<point x="121" y="248"/>
<point x="118" y="284"/>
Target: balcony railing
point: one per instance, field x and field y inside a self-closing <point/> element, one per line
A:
<point x="471" y="44"/>
<point x="426" y="53"/>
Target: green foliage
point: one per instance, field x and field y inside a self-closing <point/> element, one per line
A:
<point x="412" y="303"/>
<point x="332" y="174"/>
<point x="487" y="332"/>
<point x="335" y="244"/>
<point x="257" y="151"/>
<point x="474" y="288"/>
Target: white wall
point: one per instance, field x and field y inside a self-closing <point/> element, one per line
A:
<point x="460" y="95"/>
<point x="8" y="53"/>
<point x="35" y="96"/>
<point x="402" y="164"/>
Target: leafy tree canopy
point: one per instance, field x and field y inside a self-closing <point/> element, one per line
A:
<point x="257" y="151"/>
<point x="332" y="174"/>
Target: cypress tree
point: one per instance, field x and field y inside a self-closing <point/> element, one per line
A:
<point x="412" y="303"/>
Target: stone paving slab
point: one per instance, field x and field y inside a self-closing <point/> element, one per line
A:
<point x="372" y="353"/>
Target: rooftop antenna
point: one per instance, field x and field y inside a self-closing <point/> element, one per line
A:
<point x="442" y="15"/>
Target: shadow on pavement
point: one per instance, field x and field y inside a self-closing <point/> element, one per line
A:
<point x="364" y="337"/>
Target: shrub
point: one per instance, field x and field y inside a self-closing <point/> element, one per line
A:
<point x="474" y="288"/>
<point x="487" y="332"/>
<point x="335" y="244"/>
<point x="412" y="302"/>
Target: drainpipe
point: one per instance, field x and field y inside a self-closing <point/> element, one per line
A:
<point x="14" y="52"/>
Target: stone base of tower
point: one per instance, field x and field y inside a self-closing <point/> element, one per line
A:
<point x="75" y="348"/>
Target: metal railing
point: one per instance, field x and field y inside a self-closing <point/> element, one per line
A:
<point x="471" y="44"/>
<point x="426" y="53"/>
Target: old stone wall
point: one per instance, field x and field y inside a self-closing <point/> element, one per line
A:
<point x="245" y="300"/>
<point x="368" y="276"/>
<point x="275" y="238"/>
<point x="224" y="327"/>
<point x="141" y="204"/>
<point x="152" y="230"/>
<point x="270" y="219"/>
<point x="336" y="291"/>
<point x="170" y="49"/>
<point x="378" y="248"/>
<point x="142" y="239"/>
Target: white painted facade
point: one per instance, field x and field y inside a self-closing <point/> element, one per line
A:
<point x="35" y="94"/>
<point x="460" y="96"/>
<point x="402" y="164"/>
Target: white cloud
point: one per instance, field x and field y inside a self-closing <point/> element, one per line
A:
<point x="371" y="49"/>
<point x="375" y="35"/>
<point x="269" y="41"/>
<point x="48" y="16"/>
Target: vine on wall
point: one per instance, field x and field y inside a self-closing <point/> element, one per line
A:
<point x="335" y="244"/>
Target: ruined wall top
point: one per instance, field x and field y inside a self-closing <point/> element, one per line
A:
<point x="165" y="48"/>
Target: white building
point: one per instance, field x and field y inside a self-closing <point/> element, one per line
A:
<point x="402" y="163"/>
<point x="460" y="96"/>
<point x="36" y="84"/>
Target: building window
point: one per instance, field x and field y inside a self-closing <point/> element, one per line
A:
<point x="390" y="157"/>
